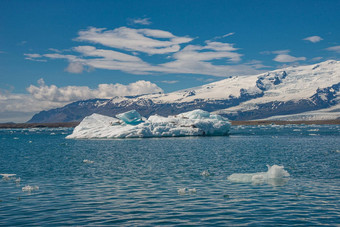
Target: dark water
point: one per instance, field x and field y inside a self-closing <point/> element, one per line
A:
<point x="136" y="181"/>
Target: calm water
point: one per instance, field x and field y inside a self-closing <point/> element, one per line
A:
<point x="136" y="181"/>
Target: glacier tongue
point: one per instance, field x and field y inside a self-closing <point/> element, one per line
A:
<point x="130" y="125"/>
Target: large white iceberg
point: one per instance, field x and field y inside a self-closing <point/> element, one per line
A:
<point x="132" y="125"/>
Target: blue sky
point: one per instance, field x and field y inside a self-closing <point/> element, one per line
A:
<point x="56" y="52"/>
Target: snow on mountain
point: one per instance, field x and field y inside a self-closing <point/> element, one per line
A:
<point x="299" y="83"/>
<point x="288" y="91"/>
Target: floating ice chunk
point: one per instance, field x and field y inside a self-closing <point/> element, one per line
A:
<point x="186" y="191"/>
<point x="205" y="173"/>
<point x="193" y="123"/>
<point x="131" y="117"/>
<point x="29" y="188"/>
<point x="191" y="190"/>
<point x="18" y="180"/>
<point x="88" y="161"/>
<point x="182" y="191"/>
<point x="7" y="176"/>
<point x="276" y="175"/>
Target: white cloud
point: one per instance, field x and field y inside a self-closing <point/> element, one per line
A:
<point x="257" y="64"/>
<point x="54" y="50"/>
<point x="213" y="58"/>
<point x="224" y="36"/>
<point x="283" y="56"/>
<point x="142" y="21"/>
<point x="288" y="58"/>
<point x="141" y="40"/>
<point x="73" y="93"/>
<point x="280" y="52"/>
<point x="91" y="51"/>
<point x="219" y="50"/>
<point x="313" y="39"/>
<point x="170" y="81"/>
<point x="75" y="67"/>
<point x="334" y="48"/>
<point x="316" y="59"/>
<point x="34" y="57"/>
<point x="229" y="34"/>
<point x="266" y="52"/>
<point x="21" y="107"/>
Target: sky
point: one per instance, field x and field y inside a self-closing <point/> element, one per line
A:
<point x="56" y="52"/>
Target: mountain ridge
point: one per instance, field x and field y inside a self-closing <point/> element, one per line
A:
<point x="292" y="90"/>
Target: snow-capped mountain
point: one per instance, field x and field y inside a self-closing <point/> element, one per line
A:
<point x="288" y="91"/>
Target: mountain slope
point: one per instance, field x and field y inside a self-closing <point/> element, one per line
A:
<point x="291" y="90"/>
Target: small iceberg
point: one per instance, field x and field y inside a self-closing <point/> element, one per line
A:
<point x="88" y="161"/>
<point x="276" y="176"/>
<point x="29" y="188"/>
<point x="132" y="125"/>
<point x="7" y="176"/>
<point x="205" y="173"/>
<point x="186" y="191"/>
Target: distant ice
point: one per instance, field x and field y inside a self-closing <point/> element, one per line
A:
<point x="7" y="176"/>
<point x="186" y="191"/>
<point x="276" y="175"/>
<point x="205" y="173"/>
<point x="29" y="188"/>
<point x="88" y="161"/>
<point x="132" y="125"/>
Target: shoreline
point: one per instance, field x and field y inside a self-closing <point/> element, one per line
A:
<point x="235" y="123"/>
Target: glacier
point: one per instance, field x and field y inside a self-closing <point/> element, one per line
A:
<point x="132" y="125"/>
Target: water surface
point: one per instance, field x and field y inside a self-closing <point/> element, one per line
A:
<point x="136" y="181"/>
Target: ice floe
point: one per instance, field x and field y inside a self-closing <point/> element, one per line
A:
<point x="132" y="125"/>
<point x="186" y="191"/>
<point x="88" y="161"/>
<point x="7" y="176"/>
<point x="276" y="175"/>
<point x="29" y="188"/>
<point x="205" y="173"/>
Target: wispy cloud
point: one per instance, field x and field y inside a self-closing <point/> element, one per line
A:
<point x="75" y="67"/>
<point x="150" y="41"/>
<point x="283" y="56"/>
<point x="169" y="81"/>
<point x="54" y="50"/>
<point x="34" y="57"/>
<point x="313" y="39"/>
<point x="142" y="21"/>
<point x="22" y="43"/>
<point x="288" y="58"/>
<point x="334" y="48"/>
<point x="229" y="34"/>
<point x="129" y="44"/>
<point x="224" y="36"/>
<point x="316" y="59"/>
